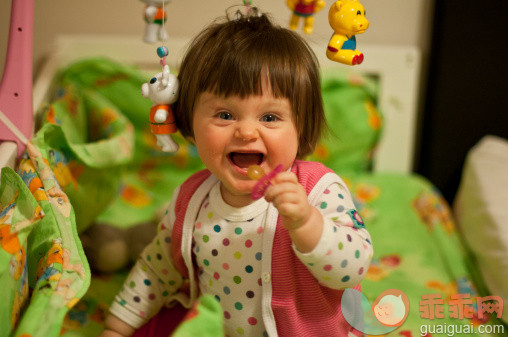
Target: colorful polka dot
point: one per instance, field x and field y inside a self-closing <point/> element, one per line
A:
<point x="357" y="253"/>
<point x="198" y="225"/>
<point x="249" y="294"/>
<point x="249" y="269"/>
<point x="260" y="230"/>
<point x="340" y="208"/>
<point x="165" y="293"/>
<point x="248" y="243"/>
<point x="343" y="264"/>
<point x="206" y="238"/>
<point x="210" y="215"/>
<point x="137" y="299"/>
<point x="341" y="196"/>
<point x="252" y="321"/>
<point x="349" y="238"/>
<point x="238" y="306"/>
<point x="159" y="257"/>
<point x="164" y="271"/>
<point x="216" y="228"/>
<point x="238" y="231"/>
<point x="148" y="258"/>
<point x="345" y="278"/>
<point x="227" y="315"/>
<point x="147" y="282"/>
<point x="327" y="191"/>
<point x="123" y="302"/>
<point x="151" y="297"/>
<point x="240" y="331"/>
<point x="167" y="239"/>
<point x="227" y="291"/>
<point x="206" y="262"/>
<point x="132" y="284"/>
<point x="171" y="283"/>
<point x="216" y="276"/>
<point x="360" y="272"/>
<point x="238" y="255"/>
<point x="327" y="267"/>
<point x="215" y="252"/>
<point x="225" y="266"/>
<point x="341" y="245"/>
<point x="323" y="205"/>
<point x="237" y="279"/>
<point x="259" y="256"/>
<point x="225" y="242"/>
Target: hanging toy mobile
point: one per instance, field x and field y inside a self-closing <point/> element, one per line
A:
<point x="304" y="9"/>
<point x="162" y="90"/>
<point x="347" y="18"/>
<point x="155" y="16"/>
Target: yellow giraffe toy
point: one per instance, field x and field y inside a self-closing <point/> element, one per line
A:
<point x="304" y="9"/>
<point x="347" y="19"/>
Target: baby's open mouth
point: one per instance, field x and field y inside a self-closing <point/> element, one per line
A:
<point x="244" y="160"/>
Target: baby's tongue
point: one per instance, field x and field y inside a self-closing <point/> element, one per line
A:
<point x="244" y="160"/>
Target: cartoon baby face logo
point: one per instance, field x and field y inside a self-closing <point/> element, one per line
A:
<point x="387" y="313"/>
<point x="391" y="307"/>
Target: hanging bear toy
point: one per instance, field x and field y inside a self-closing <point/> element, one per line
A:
<point x="347" y="18"/>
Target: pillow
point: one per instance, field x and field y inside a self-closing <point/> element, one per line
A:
<point x="480" y="208"/>
<point x="350" y="102"/>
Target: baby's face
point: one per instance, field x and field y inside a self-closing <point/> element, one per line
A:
<point x="232" y="134"/>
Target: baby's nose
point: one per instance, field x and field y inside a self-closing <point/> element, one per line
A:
<point x="246" y="131"/>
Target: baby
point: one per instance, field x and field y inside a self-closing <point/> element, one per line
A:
<point x="250" y="95"/>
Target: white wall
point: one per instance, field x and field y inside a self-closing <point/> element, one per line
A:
<point x="393" y="22"/>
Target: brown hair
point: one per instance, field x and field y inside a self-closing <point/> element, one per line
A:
<point x="230" y="58"/>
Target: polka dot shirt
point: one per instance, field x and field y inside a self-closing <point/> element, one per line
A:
<point x="227" y="245"/>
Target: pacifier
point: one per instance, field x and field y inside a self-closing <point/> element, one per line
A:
<point x="256" y="172"/>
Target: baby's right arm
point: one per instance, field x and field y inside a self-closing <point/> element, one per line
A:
<point x="151" y="283"/>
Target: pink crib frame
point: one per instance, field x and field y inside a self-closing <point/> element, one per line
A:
<point x="16" y="85"/>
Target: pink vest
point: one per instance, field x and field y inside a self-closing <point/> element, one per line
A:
<point x="301" y="306"/>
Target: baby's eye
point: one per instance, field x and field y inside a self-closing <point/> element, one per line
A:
<point x="225" y="115"/>
<point x="269" y="118"/>
<point x="153" y="80"/>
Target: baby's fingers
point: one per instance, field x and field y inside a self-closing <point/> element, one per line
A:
<point x="284" y="177"/>
<point x="273" y="191"/>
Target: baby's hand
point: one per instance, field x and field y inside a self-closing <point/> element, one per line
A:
<point x="290" y="199"/>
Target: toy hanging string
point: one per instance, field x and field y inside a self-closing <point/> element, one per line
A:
<point x="163" y="51"/>
<point x="247" y="4"/>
